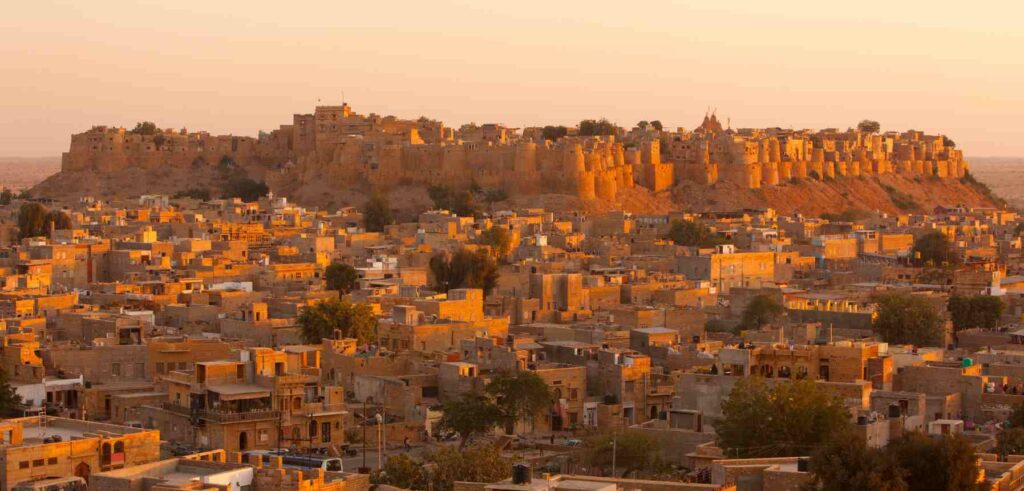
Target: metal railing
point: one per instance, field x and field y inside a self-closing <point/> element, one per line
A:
<point x="231" y="417"/>
<point x="217" y="416"/>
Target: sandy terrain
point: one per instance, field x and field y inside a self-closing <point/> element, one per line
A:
<point x="1005" y="175"/>
<point x="24" y="172"/>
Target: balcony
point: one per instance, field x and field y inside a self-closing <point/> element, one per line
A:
<point x="215" y="416"/>
<point x="175" y="408"/>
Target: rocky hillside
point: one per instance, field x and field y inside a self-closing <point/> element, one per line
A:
<point x="889" y="193"/>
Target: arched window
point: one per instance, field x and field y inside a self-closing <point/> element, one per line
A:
<point x="243" y="441"/>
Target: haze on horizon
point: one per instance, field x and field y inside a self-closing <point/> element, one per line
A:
<point x="236" y="67"/>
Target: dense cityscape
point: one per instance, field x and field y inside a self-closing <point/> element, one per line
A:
<point x="511" y="246"/>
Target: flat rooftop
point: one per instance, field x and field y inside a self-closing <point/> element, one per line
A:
<point x="68" y="429"/>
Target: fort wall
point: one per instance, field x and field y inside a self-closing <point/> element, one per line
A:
<point x="336" y="146"/>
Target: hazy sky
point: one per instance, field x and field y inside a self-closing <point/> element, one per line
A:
<point x="238" y="67"/>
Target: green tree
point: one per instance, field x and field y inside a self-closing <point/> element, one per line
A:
<point x="472" y="414"/>
<point x="554" y="132"/>
<point x="1016" y="419"/>
<point x="464" y="269"/>
<point x="521" y="395"/>
<point x="377" y="213"/>
<point x="499" y="239"/>
<point x="1010" y="441"/>
<point x="762" y="310"/>
<point x="34" y="220"/>
<point x="596" y="127"/>
<point x="334" y="318"/>
<point x="846" y="463"/>
<point x="869" y="126"/>
<point x="144" y="128"/>
<point x="787" y="419"/>
<point x="402" y="471"/>
<point x="59" y="219"/>
<point x="934" y="249"/>
<point x="643" y="125"/>
<point x="946" y="463"/>
<point x="635" y="451"/>
<point x="692" y="234"/>
<point x="480" y="463"/>
<point x="341" y="277"/>
<point x="656" y="124"/>
<point x="201" y="194"/>
<point x="461" y="202"/>
<point x="6" y="196"/>
<point x="31" y="220"/>
<point x="495" y="195"/>
<point x="907" y="319"/>
<point x="10" y="401"/>
<point x="974" y="311"/>
<point x="245" y="188"/>
<point x="848" y="215"/>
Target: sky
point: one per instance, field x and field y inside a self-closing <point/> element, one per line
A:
<point x="238" y="67"/>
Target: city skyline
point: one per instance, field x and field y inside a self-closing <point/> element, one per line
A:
<point x="226" y="68"/>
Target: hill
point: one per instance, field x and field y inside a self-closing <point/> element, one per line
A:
<point x="889" y="193"/>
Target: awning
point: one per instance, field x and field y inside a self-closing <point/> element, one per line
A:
<point x="234" y="392"/>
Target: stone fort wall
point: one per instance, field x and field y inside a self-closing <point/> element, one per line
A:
<point x="341" y="148"/>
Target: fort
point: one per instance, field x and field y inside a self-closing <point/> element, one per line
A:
<point x="337" y="146"/>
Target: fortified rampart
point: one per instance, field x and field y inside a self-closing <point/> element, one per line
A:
<point x="338" y="147"/>
<point x="766" y="157"/>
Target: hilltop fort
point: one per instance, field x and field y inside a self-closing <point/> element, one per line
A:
<point x="335" y="147"/>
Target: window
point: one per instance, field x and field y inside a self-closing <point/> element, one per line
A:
<point x="160" y="368"/>
<point x="115" y="369"/>
<point x="38" y="463"/>
<point x="574" y="394"/>
<point x="240" y="371"/>
<point x="51" y="461"/>
<point x="23" y="464"/>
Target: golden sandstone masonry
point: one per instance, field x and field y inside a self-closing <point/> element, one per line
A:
<point x="339" y="147"/>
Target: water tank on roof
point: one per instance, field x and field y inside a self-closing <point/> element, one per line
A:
<point x="966" y="362"/>
<point x="521" y="474"/>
